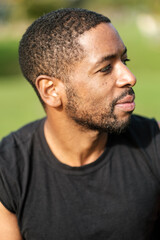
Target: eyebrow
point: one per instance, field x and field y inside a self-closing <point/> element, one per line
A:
<point x="109" y="57"/>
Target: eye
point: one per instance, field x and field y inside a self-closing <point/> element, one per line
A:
<point x="125" y="61"/>
<point x="106" y="69"/>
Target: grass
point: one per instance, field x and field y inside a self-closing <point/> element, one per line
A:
<point x="20" y="105"/>
<point x="9" y="58"/>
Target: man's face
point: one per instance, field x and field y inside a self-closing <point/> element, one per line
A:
<point x="99" y="93"/>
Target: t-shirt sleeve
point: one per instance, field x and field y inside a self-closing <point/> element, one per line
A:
<point x="7" y="192"/>
<point x="8" y="176"/>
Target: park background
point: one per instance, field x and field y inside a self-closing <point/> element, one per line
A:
<point x="138" y="23"/>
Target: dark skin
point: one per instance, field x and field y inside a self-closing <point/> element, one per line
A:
<point x="94" y="84"/>
<point x="97" y="80"/>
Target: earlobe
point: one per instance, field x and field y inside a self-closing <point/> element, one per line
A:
<point x="48" y="90"/>
<point x="54" y="94"/>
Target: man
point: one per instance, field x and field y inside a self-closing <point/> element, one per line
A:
<point x="89" y="170"/>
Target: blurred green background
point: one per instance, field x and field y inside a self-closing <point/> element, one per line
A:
<point x="138" y="23"/>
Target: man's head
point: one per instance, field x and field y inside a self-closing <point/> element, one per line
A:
<point x="77" y="61"/>
<point x="50" y="47"/>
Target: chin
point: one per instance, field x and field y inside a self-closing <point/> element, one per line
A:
<point x="112" y="125"/>
<point x="122" y="116"/>
<point x="120" y="124"/>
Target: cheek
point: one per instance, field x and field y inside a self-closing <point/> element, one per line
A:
<point x="100" y="89"/>
<point x="105" y="93"/>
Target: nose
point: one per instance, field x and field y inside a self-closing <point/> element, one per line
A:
<point x="125" y="77"/>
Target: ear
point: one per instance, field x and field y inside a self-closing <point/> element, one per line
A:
<point x="49" y="90"/>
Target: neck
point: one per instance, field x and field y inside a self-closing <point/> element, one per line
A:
<point x="71" y="145"/>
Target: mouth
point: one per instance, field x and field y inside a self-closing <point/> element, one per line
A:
<point x="126" y="104"/>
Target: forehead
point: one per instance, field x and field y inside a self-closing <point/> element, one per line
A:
<point x="101" y="41"/>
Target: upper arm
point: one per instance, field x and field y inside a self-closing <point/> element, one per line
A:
<point x="9" y="229"/>
<point x="158" y="123"/>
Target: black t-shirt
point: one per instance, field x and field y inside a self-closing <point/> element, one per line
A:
<point x="117" y="197"/>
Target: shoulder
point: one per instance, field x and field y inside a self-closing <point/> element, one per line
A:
<point x="142" y="123"/>
<point x="14" y="146"/>
<point x="143" y="131"/>
<point x="141" y="143"/>
<point x="21" y="135"/>
<point x="15" y="162"/>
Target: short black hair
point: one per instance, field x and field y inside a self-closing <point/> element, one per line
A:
<point x="50" y="47"/>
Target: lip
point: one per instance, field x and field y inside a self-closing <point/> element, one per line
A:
<point x="126" y="104"/>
